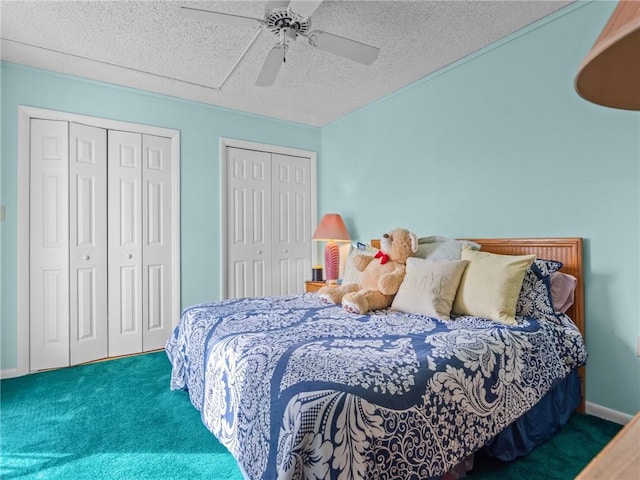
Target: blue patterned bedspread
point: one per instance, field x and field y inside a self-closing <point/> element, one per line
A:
<point x="296" y="388"/>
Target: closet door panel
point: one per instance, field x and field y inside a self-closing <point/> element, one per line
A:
<point x="125" y="242"/>
<point x="249" y="266"/>
<point x="88" y="243"/>
<point x="292" y="223"/>
<point x="49" y="245"/>
<point x="156" y="235"/>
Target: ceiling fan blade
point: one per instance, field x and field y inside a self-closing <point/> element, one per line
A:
<point x="271" y="4"/>
<point x="271" y="66"/>
<point x="218" y="17"/>
<point x="343" y="47"/>
<point x="304" y="8"/>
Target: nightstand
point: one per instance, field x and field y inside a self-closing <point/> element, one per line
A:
<point x="311" y="286"/>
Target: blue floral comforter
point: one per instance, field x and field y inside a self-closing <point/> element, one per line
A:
<point x="295" y="388"/>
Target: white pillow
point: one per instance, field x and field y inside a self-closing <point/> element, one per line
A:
<point x="429" y="288"/>
<point x="351" y="273"/>
<point x="345" y="250"/>
<point x="441" y="249"/>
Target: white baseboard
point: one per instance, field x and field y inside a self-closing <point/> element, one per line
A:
<point x="607" y="413"/>
<point x="9" y="373"/>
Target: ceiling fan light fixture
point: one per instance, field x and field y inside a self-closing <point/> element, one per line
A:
<point x="287" y="35"/>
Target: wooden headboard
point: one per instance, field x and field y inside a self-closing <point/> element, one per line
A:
<point x="565" y="250"/>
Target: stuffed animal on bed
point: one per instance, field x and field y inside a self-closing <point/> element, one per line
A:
<point x="381" y="276"/>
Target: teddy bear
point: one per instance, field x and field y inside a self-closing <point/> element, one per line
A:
<point x="381" y="276"/>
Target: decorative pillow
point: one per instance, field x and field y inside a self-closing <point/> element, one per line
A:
<point x="563" y="287"/>
<point x="429" y="288"/>
<point x="351" y="274"/>
<point x="439" y="249"/>
<point x="547" y="267"/>
<point x="345" y="254"/>
<point x="535" y="297"/>
<point x="490" y="285"/>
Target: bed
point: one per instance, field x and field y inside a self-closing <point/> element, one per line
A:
<point x="296" y="388"/>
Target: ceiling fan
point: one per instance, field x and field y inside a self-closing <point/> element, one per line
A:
<point x="288" y="20"/>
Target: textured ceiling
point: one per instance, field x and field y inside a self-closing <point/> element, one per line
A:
<point x="149" y="45"/>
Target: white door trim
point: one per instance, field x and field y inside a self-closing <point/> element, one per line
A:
<point x="263" y="147"/>
<point x="25" y="114"/>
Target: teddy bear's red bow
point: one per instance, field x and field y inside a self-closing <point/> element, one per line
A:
<point x="383" y="256"/>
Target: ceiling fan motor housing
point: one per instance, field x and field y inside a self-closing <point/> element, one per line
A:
<point x="279" y="18"/>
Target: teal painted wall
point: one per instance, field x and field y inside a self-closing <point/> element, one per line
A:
<point x="201" y="127"/>
<point x="501" y="145"/>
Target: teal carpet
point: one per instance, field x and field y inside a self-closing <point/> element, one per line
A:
<point x="110" y="420"/>
<point x="119" y="420"/>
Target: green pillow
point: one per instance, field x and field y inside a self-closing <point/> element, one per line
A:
<point x="490" y="285"/>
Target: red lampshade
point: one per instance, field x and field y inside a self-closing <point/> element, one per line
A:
<point x="610" y="73"/>
<point x="331" y="229"/>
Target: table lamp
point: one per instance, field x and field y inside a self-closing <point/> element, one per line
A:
<point x="331" y="229"/>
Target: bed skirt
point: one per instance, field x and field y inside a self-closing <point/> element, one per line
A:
<point x="540" y="423"/>
<point x="532" y="429"/>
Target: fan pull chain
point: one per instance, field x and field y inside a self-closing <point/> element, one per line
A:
<point x="283" y="42"/>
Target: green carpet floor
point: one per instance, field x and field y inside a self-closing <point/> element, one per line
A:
<point x="119" y="420"/>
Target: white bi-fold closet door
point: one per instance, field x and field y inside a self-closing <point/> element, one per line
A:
<point x="68" y="286"/>
<point x="139" y="241"/>
<point x="270" y="201"/>
<point x="100" y="243"/>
